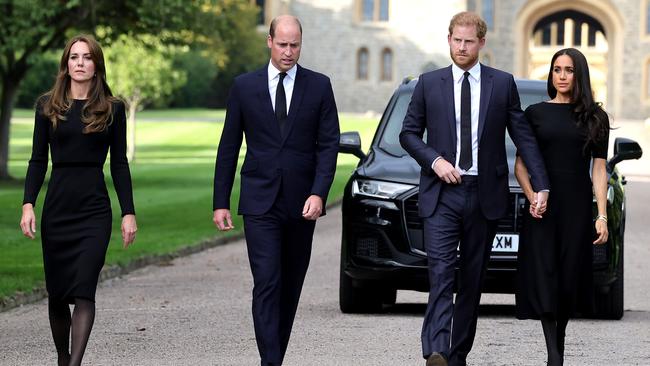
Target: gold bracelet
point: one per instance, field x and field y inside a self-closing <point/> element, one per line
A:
<point x="601" y="217"/>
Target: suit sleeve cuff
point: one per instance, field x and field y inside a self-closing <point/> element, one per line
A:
<point x="435" y="161"/>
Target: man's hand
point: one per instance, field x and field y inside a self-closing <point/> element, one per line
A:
<point x="313" y="207"/>
<point x="446" y="172"/>
<point x="222" y="219"/>
<point x="542" y="199"/>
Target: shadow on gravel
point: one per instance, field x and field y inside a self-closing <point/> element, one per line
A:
<point x="500" y="310"/>
<point x="503" y="311"/>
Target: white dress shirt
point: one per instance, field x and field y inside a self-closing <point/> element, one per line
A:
<point x="288" y="82"/>
<point x="475" y="87"/>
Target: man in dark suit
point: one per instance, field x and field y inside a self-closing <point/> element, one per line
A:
<point x="289" y="117"/>
<point x="465" y="109"/>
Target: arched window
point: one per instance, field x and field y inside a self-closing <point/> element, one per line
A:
<point x="362" y="63"/>
<point x="386" y="64"/>
<point x="568" y="28"/>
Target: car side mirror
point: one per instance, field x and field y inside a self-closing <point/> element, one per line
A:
<point x="350" y="143"/>
<point x="625" y="149"/>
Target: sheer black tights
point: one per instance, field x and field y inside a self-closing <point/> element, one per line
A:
<point x="554" y="334"/>
<point x="64" y="326"/>
<point x="60" y="320"/>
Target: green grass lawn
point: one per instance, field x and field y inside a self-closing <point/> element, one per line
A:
<point x="172" y="177"/>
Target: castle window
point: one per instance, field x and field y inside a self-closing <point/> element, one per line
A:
<point x="646" y="86"/>
<point x="386" y="65"/>
<point x="261" y="16"/>
<point x="647" y="17"/>
<point x="487" y="13"/>
<point x="383" y="10"/>
<point x="362" y="64"/>
<point x="374" y="10"/>
<point x="568" y="28"/>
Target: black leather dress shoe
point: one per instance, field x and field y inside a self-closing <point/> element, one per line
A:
<point x="437" y="359"/>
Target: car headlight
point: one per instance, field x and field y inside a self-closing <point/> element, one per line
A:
<point x="378" y="189"/>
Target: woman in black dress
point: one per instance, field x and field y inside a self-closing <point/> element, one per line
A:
<point x="79" y="121"/>
<point x="555" y="256"/>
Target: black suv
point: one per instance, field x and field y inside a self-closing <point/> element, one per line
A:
<point x="382" y="247"/>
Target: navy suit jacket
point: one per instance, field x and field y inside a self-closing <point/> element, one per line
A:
<point x="302" y="160"/>
<point x="432" y="109"/>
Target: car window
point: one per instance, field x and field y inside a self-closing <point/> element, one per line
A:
<point x="389" y="141"/>
<point x="526" y="98"/>
<point x="531" y="97"/>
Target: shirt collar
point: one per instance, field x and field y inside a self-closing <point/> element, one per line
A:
<point x="474" y="72"/>
<point x="273" y="72"/>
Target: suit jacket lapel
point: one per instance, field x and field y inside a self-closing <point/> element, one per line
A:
<point x="447" y="87"/>
<point x="299" y="87"/>
<point x="486" y="93"/>
<point x="265" y="102"/>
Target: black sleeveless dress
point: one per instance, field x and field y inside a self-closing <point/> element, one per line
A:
<point x="555" y="253"/>
<point x="76" y="222"/>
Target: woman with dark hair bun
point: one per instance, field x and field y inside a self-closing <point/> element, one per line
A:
<point x="78" y="121"/>
<point x="555" y="252"/>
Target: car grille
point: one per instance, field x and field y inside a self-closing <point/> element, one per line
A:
<point x="513" y="220"/>
<point x="371" y="243"/>
<point x="413" y="219"/>
<point x="510" y="224"/>
<point x="600" y="255"/>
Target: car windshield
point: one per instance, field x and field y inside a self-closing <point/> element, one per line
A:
<point x="389" y="141"/>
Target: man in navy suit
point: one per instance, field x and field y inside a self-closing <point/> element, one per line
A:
<point x="289" y="117"/>
<point x="465" y="109"/>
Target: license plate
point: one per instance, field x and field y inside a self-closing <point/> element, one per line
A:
<point x="506" y="243"/>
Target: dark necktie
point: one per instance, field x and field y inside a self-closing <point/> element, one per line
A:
<point x="465" y="161"/>
<point x="281" y="102"/>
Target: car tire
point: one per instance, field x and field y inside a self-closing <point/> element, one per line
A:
<point x="610" y="305"/>
<point x="389" y="297"/>
<point x="357" y="300"/>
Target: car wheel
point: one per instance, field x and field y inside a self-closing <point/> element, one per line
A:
<point x="353" y="300"/>
<point x="389" y="297"/>
<point x="610" y="305"/>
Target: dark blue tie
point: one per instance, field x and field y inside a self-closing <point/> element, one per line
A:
<point x="281" y="102"/>
<point x="465" y="161"/>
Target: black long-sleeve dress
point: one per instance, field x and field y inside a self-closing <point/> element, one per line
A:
<point x="77" y="218"/>
<point x="555" y="252"/>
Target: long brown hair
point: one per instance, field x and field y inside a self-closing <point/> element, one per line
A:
<point x="589" y="113"/>
<point x="97" y="111"/>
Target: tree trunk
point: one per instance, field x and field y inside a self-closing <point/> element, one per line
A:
<point x="9" y="89"/>
<point x="130" y="150"/>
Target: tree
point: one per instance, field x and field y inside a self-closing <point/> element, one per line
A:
<point x="233" y="43"/>
<point x="32" y="27"/>
<point x="141" y="72"/>
<point x="39" y="79"/>
<point x="229" y="43"/>
<point x="201" y="72"/>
